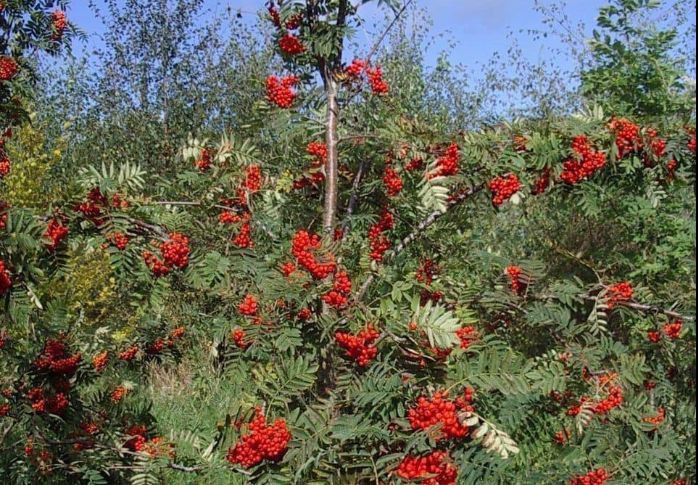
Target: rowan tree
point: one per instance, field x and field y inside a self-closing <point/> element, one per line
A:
<point x="345" y="291"/>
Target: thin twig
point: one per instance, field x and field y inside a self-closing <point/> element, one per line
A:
<point x="418" y="231"/>
<point x="380" y="40"/>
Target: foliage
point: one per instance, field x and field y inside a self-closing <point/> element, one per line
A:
<point x="328" y="292"/>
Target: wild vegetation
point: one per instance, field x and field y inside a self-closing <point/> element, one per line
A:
<point x="236" y="253"/>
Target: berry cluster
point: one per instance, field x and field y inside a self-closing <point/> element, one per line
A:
<point x="229" y="217"/>
<point x="249" y="305"/>
<point x="378" y="241"/>
<point x="157" y="267"/>
<point x="338" y="297"/>
<point x="291" y="45"/>
<point x="304" y="314"/>
<point x="55" y="360"/>
<point x="426" y="272"/>
<point x="516" y="283"/>
<point x="359" y="347"/>
<point x="239" y="338"/>
<point x="243" y="240"/>
<point x="292" y="23"/>
<point x="118" y="203"/>
<point x="692" y="144"/>
<point x="433" y="469"/>
<point x="654" y="337"/>
<point x="5" y="164"/>
<point x="542" y="183"/>
<point x="118" y="394"/>
<point x="119" y="240"/>
<point x="139" y="443"/>
<point x="562" y="437"/>
<point x="129" y="354"/>
<point x="612" y="401"/>
<point x="414" y="164"/>
<point x="503" y="188"/>
<point x="657" y="419"/>
<point x="437" y="411"/>
<point x="447" y="164"/>
<point x="3" y="214"/>
<point x="356" y="68"/>
<point x="672" y="330"/>
<point x="58" y="23"/>
<point x="628" y="139"/>
<point x="100" y="361"/>
<point x="316" y="177"/>
<point x="619" y="293"/>
<point x="8" y="68"/>
<point x="671" y="167"/>
<point x="42" y="403"/>
<point x="657" y="144"/>
<point x="596" y="477"/>
<point x="253" y="179"/>
<point x="303" y="247"/>
<point x="589" y="161"/>
<point x="56" y="232"/>
<point x="288" y="268"/>
<point x="520" y="143"/>
<point x="91" y="209"/>
<point x="393" y="181"/>
<point x="263" y="442"/>
<point x="467" y="336"/>
<point x="175" y="250"/>
<point x="375" y="79"/>
<point x="280" y="91"/>
<point x="204" y="161"/>
<point x="5" y="278"/>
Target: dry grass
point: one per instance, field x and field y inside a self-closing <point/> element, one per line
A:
<point x="168" y="381"/>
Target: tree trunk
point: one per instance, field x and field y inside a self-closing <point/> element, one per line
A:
<point x="331" y="167"/>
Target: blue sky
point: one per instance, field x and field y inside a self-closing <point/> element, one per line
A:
<point x="479" y="27"/>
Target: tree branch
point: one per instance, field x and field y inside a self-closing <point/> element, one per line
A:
<point x="385" y="33"/>
<point x="418" y="231"/>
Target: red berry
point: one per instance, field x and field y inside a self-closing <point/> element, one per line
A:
<point x="5" y="278"/>
<point x="253" y="180"/>
<point x="359" y="347"/>
<point x="447" y="165"/>
<point x="437" y="411"/>
<point x="99" y="361"/>
<point x="59" y="23"/>
<point x="280" y="92"/>
<point x="304" y="248"/>
<point x="356" y="68"/>
<point x="517" y="284"/>
<point x="291" y="45"/>
<point x="619" y="293"/>
<point x="262" y="442"/>
<point x="628" y="139"/>
<point x="375" y="79"/>
<point x="248" y="307"/>
<point x="8" y="68"/>
<point x="503" y="188"/>
<point x="672" y="330"/>
<point x="433" y="469"/>
<point x="56" y="232"/>
<point x="203" y="163"/>
<point x="596" y="477"/>
<point x="392" y="181"/>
